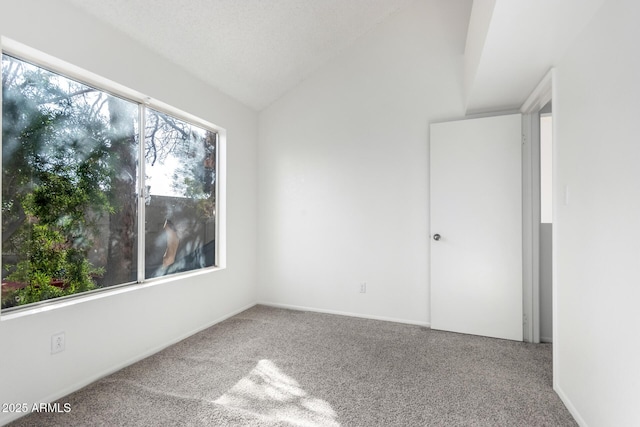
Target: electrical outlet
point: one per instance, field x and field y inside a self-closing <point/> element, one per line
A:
<point x="363" y="287"/>
<point x="57" y="343"/>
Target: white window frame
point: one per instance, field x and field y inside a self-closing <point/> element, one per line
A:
<point x="48" y="62"/>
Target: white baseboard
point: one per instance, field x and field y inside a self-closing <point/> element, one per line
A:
<point x="567" y="402"/>
<point x="546" y="339"/>
<point x="85" y="382"/>
<point x="345" y="313"/>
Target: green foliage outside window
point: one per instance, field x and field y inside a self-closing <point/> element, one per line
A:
<point x="56" y="180"/>
<point x="70" y="173"/>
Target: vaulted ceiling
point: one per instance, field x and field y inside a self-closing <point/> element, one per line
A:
<point x="253" y="50"/>
<point x="512" y="44"/>
<point x="257" y="50"/>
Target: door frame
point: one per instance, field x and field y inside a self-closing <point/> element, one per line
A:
<point x="541" y="95"/>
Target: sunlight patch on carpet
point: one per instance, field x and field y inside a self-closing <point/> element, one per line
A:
<point x="269" y="393"/>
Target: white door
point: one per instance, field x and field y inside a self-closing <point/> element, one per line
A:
<point x="476" y="226"/>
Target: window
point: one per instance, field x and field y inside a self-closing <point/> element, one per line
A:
<point x="99" y="189"/>
<point x="180" y="178"/>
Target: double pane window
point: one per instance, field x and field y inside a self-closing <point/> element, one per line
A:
<point x="97" y="190"/>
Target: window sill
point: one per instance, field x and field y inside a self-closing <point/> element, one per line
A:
<point x="52" y="305"/>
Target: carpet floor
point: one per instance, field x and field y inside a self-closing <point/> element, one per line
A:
<point x="274" y="367"/>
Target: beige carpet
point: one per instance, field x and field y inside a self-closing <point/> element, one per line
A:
<point x="275" y="367"/>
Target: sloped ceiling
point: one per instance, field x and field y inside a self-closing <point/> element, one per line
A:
<point x="253" y="50"/>
<point x="512" y="44"/>
<point x="256" y="50"/>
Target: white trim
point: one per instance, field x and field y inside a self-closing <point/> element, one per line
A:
<point x="141" y="202"/>
<point x="535" y="226"/>
<point x="541" y="95"/>
<point x="574" y="412"/>
<point x="58" y="66"/>
<point x="51" y="63"/>
<point x="554" y="241"/>
<point x="62" y="302"/>
<point x="221" y="200"/>
<point x="93" y="378"/>
<point x="345" y="313"/>
<point x="527" y="229"/>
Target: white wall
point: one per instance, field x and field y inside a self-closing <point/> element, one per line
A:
<point x="106" y="333"/>
<point x="597" y="235"/>
<point x="343" y="178"/>
<point x="343" y="199"/>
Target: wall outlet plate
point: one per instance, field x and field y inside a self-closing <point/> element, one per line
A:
<point x="57" y="343"/>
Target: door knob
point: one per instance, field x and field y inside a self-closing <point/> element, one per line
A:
<point x="436" y="237"/>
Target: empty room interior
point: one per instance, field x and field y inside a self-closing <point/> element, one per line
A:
<point x="333" y="195"/>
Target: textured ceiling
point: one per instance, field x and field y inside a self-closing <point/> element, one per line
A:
<point x="253" y="50"/>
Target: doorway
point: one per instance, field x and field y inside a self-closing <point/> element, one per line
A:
<point x="546" y="223"/>
<point x="534" y="302"/>
<point x="538" y="258"/>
